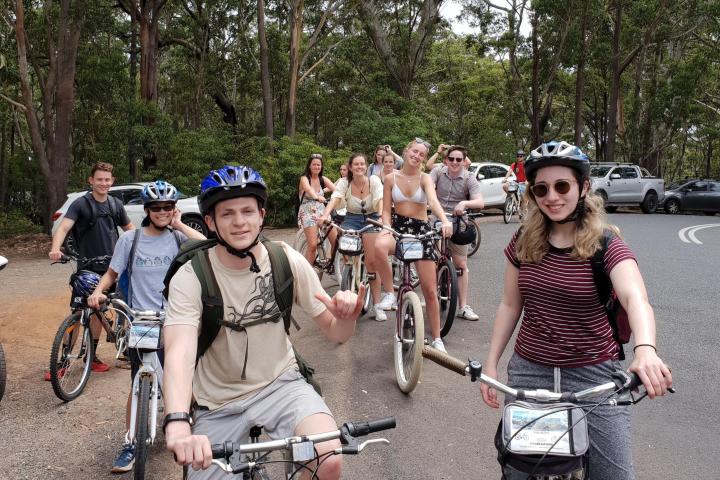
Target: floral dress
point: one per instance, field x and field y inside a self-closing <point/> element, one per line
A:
<point x="310" y="211"/>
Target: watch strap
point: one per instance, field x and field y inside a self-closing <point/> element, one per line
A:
<point x="177" y="417"/>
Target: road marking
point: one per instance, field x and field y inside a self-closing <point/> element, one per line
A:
<point x="688" y="234"/>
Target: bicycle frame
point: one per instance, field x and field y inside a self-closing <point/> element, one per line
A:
<point x="150" y="367"/>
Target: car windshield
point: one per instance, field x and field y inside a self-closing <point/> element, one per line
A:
<point x="599" y="170"/>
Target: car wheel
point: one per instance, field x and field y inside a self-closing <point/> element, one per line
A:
<point x="649" y="205"/>
<point x="710" y="214"/>
<point x="611" y="209"/>
<point x="672" y="206"/>
<point x="196" y="223"/>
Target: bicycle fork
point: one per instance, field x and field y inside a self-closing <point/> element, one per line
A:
<point x="155" y="372"/>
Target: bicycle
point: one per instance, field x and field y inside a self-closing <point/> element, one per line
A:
<point x="512" y="202"/>
<point x="73" y="348"/>
<point x="547" y="439"/>
<point x="447" y="283"/>
<point x="354" y="273"/>
<point x="326" y="258"/>
<point x="3" y="370"/>
<point x="410" y="326"/>
<point x="232" y="457"/>
<point x="475" y="245"/>
<point x="143" y="333"/>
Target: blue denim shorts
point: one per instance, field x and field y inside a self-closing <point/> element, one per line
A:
<point x="356" y="221"/>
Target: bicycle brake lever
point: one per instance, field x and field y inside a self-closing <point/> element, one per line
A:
<point x="364" y="444"/>
<point x="357" y="448"/>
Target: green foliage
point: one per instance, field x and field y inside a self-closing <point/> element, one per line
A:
<point x="15" y="222"/>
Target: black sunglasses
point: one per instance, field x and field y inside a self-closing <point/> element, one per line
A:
<point x="164" y="208"/>
<point x="362" y="207"/>
<point x="455" y="159"/>
<point x="541" y="189"/>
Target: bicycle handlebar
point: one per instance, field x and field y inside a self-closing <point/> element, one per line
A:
<point x="68" y="257"/>
<point x="348" y="231"/>
<point x="397" y="234"/>
<point x="623" y="382"/>
<point x="115" y="300"/>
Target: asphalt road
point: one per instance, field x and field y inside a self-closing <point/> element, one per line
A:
<point x="445" y="431"/>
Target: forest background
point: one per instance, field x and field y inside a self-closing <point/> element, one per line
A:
<point x="172" y="89"/>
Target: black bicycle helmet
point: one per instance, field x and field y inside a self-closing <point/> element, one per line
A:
<point x="463" y="232"/>
<point x="557" y="153"/>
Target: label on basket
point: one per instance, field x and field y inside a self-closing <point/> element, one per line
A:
<point x="145" y="335"/>
<point x="541" y="434"/>
<point x="411" y="249"/>
<point x="350" y="243"/>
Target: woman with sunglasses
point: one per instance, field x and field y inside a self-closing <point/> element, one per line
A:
<point x="407" y="195"/>
<point x="311" y="191"/>
<point x="565" y="335"/>
<point x="151" y="247"/>
<point x="362" y="196"/>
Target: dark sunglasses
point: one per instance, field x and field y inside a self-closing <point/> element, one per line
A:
<point x="362" y="207"/>
<point x="422" y="142"/>
<point x="164" y="208"/>
<point x="455" y="159"/>
<point x="541" y="189"/>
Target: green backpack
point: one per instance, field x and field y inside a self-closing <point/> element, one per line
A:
<point x="196" y="252"/>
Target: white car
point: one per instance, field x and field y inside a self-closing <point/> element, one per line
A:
<point x="490" y="176"/>
<point x="129" y="194"/>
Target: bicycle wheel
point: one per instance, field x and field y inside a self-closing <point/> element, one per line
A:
<point x="447" y="284"/>
<point x="3" y="372"/>
<point x="476" y="243"/>
<point x="397" y="269"/>
<point x="142" y="442"/>
<point x="347" y="279"/>
<point x="71" y="358"/>
<point x="509" y="209"/>
<point x="409" y="344"/>
<point x="362" y="279"/>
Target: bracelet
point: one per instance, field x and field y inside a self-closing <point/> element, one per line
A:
<point x="644" y="345"/>
<point x="176" y="417"/>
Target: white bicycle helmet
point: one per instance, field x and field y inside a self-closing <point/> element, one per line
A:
<point x="557" y="153"/>
<point x="159" y="191"/>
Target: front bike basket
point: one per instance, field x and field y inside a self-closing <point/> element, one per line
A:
<point x="409" y="249"/>
<point x="350" y="244"/>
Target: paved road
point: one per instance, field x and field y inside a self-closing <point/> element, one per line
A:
<point x="444" y="430"/>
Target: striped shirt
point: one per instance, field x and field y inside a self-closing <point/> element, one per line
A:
<point x="564" y="324"/>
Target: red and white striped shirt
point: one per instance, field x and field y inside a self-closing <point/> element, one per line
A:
<point x="564" y="324"/>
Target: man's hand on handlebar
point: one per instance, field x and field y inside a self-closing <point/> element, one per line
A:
<point x="96" y="299"/>
<point x="189" y="449"/>
<point x="55" y="255"/>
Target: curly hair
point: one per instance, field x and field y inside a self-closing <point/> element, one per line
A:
<point x="533" y="243"/>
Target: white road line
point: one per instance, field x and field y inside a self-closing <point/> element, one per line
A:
<point x="688" y="234"/>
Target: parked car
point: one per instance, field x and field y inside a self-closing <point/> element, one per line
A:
<point x="129" y="194"/>
<point x="625" y="184"/>
<point x="695" y="195"/>
<point x="490" y="176"/>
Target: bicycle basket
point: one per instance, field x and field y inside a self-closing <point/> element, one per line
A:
<point x="350" y="245"/>
<point x="409" y="249"/>
<point x="145" y="335"/>
<point x="528" y="431"/>
<point x="512" y="187"/>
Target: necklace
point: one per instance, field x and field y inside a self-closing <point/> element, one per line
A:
<point x="362" y="188"/>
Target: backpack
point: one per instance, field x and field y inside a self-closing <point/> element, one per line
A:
<point x="115" y="206"/>
<point x="124" y="283"/>
<point x="196" y="252"/>
<point x="617" y="316"/>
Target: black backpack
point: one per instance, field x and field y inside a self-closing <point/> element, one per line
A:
<point x="115" y="206"/>
<point x="196" y="252"/>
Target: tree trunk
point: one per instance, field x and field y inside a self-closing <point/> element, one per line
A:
<point x="580" y="78"/>
<point x="132" y="163"/>
<point x="296" y="24"/>
<point x="50" y="132"/>
<point x="265" y="71"/>
<point x="708" y="158"/>
<point x="615" y="74"/>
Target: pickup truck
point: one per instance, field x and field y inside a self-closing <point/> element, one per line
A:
<point x="624" y="184"/>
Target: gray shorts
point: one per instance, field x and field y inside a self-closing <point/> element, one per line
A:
<point x="279" y="408"/>
<point x="610" y="452"/>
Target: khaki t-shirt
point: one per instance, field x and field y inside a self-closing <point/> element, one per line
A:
<point x="247" y="296"/>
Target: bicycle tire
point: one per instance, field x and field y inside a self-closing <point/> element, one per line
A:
<point x="142" y="428"/>
<point x="346" y="280"/>
<point x="320" y="256"/>
<point x="475" y="243"/>
<point x="3" y="372"/>
<point x="409" y="344"/>
<point x="508" y="209"/>
<point x="70" y="367"/>
<point x="447" y="284"/>
<point x="363" y="280"/>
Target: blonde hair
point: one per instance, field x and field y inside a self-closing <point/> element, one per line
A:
<point x="533" y="243"/>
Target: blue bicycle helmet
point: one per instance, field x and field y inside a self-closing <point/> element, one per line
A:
<point x="84" y="283"/>
<point x="159" y="191"/>
<point x="231" y="182"/>
<point x="557" y="153"/>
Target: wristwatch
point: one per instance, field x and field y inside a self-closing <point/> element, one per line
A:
<point x="177" y="417"/>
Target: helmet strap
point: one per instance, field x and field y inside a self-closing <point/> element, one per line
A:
<point x="244" y="253"/>
<point x="577" y="214"/>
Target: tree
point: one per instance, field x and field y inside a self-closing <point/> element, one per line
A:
<point x="50" y="122"/>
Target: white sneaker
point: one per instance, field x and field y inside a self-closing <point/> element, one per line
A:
<point x="438" y="344"/>
<point x="467" y="313"/>
<point x="379" y="313"/>
<point x="387" y="302"/>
